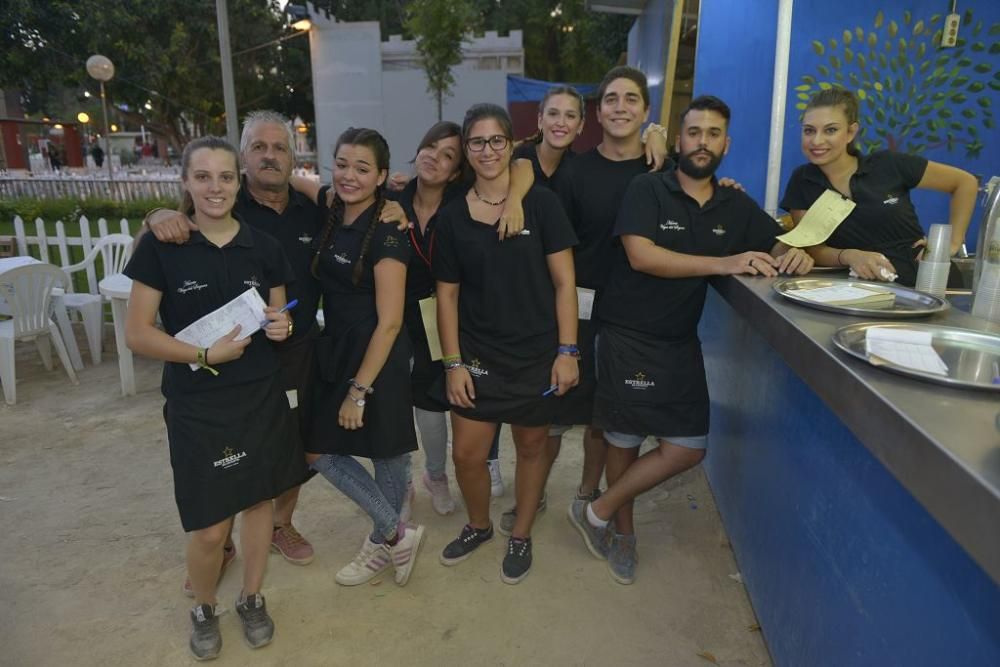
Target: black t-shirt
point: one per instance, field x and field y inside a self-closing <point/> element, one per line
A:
<point x="884" y="219"/>
<point x="529" y="151"/>
<point x="507" y="298"/>
<point x="591" y="189"/>
<point x="657" y="208"/>
<point x="344" y="303"/>
<point x="294" y="228"/>
<point x="197" y="277"/>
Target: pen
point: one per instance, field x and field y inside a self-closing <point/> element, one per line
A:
<point x="550" y="390"/>
<point x="288" y="306"/>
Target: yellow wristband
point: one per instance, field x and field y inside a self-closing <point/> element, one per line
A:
<point x="202" y="361"/>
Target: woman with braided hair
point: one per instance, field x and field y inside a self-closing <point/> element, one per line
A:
<point x="363" y="400"/>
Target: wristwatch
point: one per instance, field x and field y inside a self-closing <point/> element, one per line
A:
<point x="360" y="402"/>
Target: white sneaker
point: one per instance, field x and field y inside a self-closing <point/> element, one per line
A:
<point x="404" y="552"/>
<point x="370" y="561"/>
<point x="406" y="511"/>
<point x="496" y="479"/>
<point x="441" y="499"/>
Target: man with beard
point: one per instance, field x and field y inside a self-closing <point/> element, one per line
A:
<point x="677" y="229"/>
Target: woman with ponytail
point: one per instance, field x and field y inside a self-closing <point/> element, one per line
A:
<point x="363" y="398"/>
<point x="881" y="238"/>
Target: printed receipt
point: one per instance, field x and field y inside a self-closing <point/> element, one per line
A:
<point x="246" y="310"/>
<point x="909" y="349"/>
<point x="820" y="221"/>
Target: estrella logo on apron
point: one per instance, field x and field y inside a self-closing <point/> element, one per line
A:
<point x="641" y="382"/>
<point x="229" y="459"/>
<point x="475" y="369"/>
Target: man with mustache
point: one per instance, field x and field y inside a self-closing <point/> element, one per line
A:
<point x="677" y="228"/>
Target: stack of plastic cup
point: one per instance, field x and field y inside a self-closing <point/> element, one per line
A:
<point x="932" y="274"/>
<point x="986" y="304"/>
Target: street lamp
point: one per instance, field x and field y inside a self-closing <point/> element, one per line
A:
<point x="102" y="69"/>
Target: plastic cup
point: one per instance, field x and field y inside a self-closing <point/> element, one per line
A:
<point x="932" y="277"/>
<point x="986" y="304"/>
<point x="938" y="244"/>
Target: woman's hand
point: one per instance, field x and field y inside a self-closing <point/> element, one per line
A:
<point x="227" y="348"/>
<point x="397" y="182"/>
<point x="350" y="416"/>
<point x="392" y="212"/>
<point x="511" y="220"/>
<point x="795" y="261"/>
<point x="565" y="373"/>
<point x="279" y="324"/>
<point x="461" y="389"/>
<point x="868" y="265"/>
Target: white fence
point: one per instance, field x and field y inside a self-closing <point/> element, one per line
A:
<point x="46" y="245"/>
<point x="122" y="189"/>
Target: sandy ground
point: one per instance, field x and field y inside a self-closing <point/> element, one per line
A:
<point x="91" y="561"/>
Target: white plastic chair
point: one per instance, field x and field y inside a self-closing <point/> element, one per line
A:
<point x="115" y="251"/>
<point x="28" y="292"/>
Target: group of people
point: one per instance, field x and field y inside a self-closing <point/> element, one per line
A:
<point x="559" y="290"/>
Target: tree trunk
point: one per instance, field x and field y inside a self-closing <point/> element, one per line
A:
<point x="440" y="95"/>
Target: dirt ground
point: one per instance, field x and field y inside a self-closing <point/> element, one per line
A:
<point x="92" y="560"/>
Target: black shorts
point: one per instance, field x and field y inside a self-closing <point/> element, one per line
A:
<point x="647" y="386"/>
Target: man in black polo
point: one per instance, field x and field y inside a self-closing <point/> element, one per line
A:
<point x="677" y="229"/>
<point x="267" y="202"/>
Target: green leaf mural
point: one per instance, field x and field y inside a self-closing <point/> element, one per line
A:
<point x="906" y="81"/>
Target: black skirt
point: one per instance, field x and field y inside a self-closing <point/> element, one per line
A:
<point x="388" y="429"/>
<point x="576" y="407"/>
<point x="231" y="448"/>
<point x="508" y="389"/>
<point x="647" y="386"/>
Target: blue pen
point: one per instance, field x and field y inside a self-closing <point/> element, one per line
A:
<point x="551" y="390"/>
<point x="288" y="306"/>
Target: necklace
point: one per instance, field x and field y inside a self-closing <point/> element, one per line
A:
<point x="487" y="201"/>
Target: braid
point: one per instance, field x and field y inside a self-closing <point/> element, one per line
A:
<point x="334" y="221"/>
<point x="359" y="265"/>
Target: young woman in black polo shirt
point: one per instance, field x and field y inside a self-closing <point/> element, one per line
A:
<point x="560" y="122"/>
<point x="507" y="320"/>
<point x="363" y="402"/>
<point x="227" y="420"/>
<point x="882" y="235"/>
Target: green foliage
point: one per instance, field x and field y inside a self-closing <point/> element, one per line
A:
<point x="440" y="27"/>
<point x="69" y="210"/>
<point x="911" y="89"/>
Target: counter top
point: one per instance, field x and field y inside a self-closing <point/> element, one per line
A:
<point x="941" y="444"/>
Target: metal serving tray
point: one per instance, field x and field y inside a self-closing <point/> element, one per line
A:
<point x="828" y="269"/>
<point x="908" y="303"/>
<point x="972" y="357"/>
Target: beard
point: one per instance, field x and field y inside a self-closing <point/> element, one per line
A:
<point x="689" y="167"/>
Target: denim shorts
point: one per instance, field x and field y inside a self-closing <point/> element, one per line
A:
<point x="629" y="441"/>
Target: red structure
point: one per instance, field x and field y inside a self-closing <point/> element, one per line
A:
<point x="18" y="136"/>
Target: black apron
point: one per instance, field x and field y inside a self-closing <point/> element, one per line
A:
<point x="231" y="448"/>
<point x="650" y="387"/>
<point x="576" y="407"/>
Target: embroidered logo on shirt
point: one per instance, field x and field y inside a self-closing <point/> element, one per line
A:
<point x="229" y="459"/>
<point x="252" y="282"/>
<point x="475" y="369"/>
<point x="719" y="230"/>
<point x="191" y="286"/>
<point x="342" y="258"/>
<point x="891" y="200"/>
<point x="391" y="242"/>
<point x="306" y="239"/>
<point x="639" y="382"/>
<point x="672" y="226"/>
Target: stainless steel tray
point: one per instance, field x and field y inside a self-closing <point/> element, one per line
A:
<point x="829" y="269"/>
<point x="908" y="303"/>
<point x="972" y="357"/>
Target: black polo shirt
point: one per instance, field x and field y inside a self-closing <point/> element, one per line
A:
<point x="657" y="208"/>
<point x="506" y="298"/>
<point x="197" y="277"/>
<point x="529" y="151"/>
<point x="344" y="303"/>
<point x="591" y="189"/>
<point x="294" y="228"/>
<point x="884" y="219"/>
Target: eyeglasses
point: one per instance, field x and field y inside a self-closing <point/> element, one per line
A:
<point x="497" y="142"/>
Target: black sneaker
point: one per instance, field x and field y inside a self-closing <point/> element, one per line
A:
<point x="517" y="562"/>
<point x="508" y="518"/>
<point x="206" y="640"/>
<point x="589" y="497"/>
<point x="258" y="628"/>
<point x="462" y="547"/>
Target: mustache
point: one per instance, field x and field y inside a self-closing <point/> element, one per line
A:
<point x="270" y="164"/>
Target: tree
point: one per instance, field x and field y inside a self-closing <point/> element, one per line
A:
<point x="440" y="27"/>
<point x="915" y="95"/>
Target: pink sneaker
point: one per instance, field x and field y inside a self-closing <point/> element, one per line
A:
<point x="441" y="499"/>
<point x="228" y="556"/>
<point x="289" y="543"/>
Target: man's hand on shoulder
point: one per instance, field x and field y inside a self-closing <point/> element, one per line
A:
<point x="170" y="226"/>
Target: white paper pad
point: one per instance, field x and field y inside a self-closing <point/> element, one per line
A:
<point x="820" y="221"/>
<point x="911" y="349"/>
<point x="247" y="310"/>
<point x="584" y="303"/>
<point x="837" y="294"/>
<point x="428" y="314"/>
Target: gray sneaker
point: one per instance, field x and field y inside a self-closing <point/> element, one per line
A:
<point x="206" y="640"/>
<point x="258" y="628"/>
<point x="593" y="538"/>
<point x="622" y="558"/>
<point x="508" y="518"/>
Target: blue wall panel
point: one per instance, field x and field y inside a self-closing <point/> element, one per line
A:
<point x="648" y="45"/>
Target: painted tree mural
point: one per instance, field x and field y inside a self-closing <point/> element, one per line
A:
<point x="915" y="96"/>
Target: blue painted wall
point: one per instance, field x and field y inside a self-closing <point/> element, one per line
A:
<point x="648" y="44"/>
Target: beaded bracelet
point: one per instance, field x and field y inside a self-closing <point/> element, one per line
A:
<point x="570" y="350"/>
<point x="452" y="365"/>
<point x="360" y="387"/>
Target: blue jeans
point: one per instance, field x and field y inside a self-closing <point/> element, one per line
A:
<point x="380" y="497"/>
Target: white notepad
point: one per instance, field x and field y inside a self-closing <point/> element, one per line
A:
<point x="247" y="310"/>
<point x="910" y="349"/>
<point x="845" y="295"/>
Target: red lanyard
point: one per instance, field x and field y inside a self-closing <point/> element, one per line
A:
<point x="420" y="252"/>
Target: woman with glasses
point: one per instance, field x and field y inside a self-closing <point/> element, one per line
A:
<point x="507" y="319"/>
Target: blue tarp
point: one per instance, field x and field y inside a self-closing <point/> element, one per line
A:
<point x="520" y="89"/>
